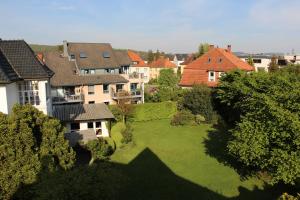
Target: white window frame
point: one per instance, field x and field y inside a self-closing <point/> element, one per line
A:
<point x="90" y="92"/>
<point x="211" y="78"/>
<point x="29" y="93"/>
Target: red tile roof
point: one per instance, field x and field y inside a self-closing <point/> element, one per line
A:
<point x="134" y="57"/>
<point x="216" y="59"/>
<point x="162" y="63"/>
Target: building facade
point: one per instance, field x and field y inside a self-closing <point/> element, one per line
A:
<point x="159" y="64"/>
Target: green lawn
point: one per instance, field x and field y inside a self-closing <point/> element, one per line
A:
<point x="169" y="162"/>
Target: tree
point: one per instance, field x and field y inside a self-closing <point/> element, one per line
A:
<point x="203" y="48"/>
<point x="30" y="141"/>
<point x="167" y="78"/>
<point x="199" y="101"/>
<point x="124" y="106"/>
<point x="150" y="57"/>
<point x="99" y="148"/>
<point x="250" y="61"/>
<point x="264" y="112"/>
<point x="157" y="55"/>
<point x="273" y="66"/>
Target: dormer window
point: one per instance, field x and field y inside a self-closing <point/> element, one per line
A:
<point x="211" y="76"/>
<point x="82" y="55"/>
<point x="209" y="59"/>
<point x="220" y="60"/>
<point x="106" y="54"/>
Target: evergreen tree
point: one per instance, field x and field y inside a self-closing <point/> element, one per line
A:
<point x="29" y="141"/>
<point x="157" y="55"/>
<point x="150" y="56"/>
<point x="203" y="48"/>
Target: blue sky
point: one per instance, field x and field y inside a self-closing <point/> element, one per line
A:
<point x="168" y="25"/>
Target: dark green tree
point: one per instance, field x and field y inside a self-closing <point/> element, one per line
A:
<point x="157" y="55"/>
<point x="150" y="56"/>
<point x="167" y="78"/>
<point x="264" y="112"/>
<point x="27" y="139"/>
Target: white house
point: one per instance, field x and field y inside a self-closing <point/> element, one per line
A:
<point x="138" y="67"/>
<point x="23" y="78"/>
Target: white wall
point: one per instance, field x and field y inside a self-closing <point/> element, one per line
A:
<point x="83" y="126"/>
<point x="263" y="65"/>
<point x="43" y="98"/>
<point x="8" y="97"/>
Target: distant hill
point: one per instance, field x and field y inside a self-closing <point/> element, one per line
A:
<point x="45" y="48"/>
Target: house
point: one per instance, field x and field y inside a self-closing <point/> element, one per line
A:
<point x="208" y="68"/>
<point x="190" y="58"/>
<point x="23" y="78"/>
<point x="261" y="62"/>
<point x="177" y="59"/>
<point x="138" y="66"/>
<point x="159" y="64"/>
<point x="91" y="73"/>
<point x="84" y="122"/>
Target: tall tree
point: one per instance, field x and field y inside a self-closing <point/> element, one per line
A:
<point x="264" y="109"/>
<point x="167" y="78"/>
<point x="124" y="106"/>
<point x="250" y="61"/>
<point x="203" y="48"/>
<point x="29" y="141"/>
<point x="273" y="66"/>
<point x="150" y="56"/>
<point x="157" y="55"/>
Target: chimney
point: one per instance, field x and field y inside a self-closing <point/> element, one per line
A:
<point x="229" y="48"/>
<point x="211" y="46"/>
<point x="65" y="49"/>
<point x="40" y="57"/>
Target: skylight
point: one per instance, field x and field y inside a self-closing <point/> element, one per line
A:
<point x="106" y="54"/>
<point x="82" y="55"/>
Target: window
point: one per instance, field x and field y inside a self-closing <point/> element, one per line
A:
<point x="119" y="87"/>
<point x="98" y="124"/>
<point x="105" y="88"/>
<point x="90" y="125"/>
<point x="72" y="56"/>
<point x="106" y="102"/>
<point x="220" y="60"/>
<point x="91" y="89"/>
<point x="82" y="55"/>
<point x="92" y="71"/>
<point x="106" y="54"/>
<point x="209" y="59"/>
<point x="211" y="76"/>
<point x="29" y="93"/>
<point x="75" y="126"/>
<point x="91" y="102"/>
<point x="257" y="60"/>
<point x="135" y="62"/>
<point x="133" y="87"/>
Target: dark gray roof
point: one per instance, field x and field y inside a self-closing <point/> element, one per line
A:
<point x="23" y="60"/>
<point x="182" y="56"/>
<point x="7" y="73"/>
<point x="82" y="112"/>
<point x="94" y="55"/>
<point x="122" y="57"/>
<point x="65" y="73"/>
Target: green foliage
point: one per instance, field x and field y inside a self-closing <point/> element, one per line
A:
<point x="199" y="119"/>
<point x="167" y="78"/>
<point x="116" y="134"/>
<point x="264" y="111"/>
<point x="183" y="117"/>
<point x="199" y="101"/>
<point x="150" y="56"/>
<point x="287" y="196"/>
<point x="99" y="148"/>
<point x="273" y="66"/>
<point x="127" y="134"/>
<point x="157" y="55"/>
<point x="154" y="111"/>
<point x="250" y="61"/>
<point x="203" y="48"/>
<point x="27" y="139"/>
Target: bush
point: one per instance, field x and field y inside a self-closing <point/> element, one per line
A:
<point x="199" y="119"/>
<point x="199" y="101"/>
<point x="183" y="117"/>
<point x="99" y="148"/>
<point x="127" y="134"/>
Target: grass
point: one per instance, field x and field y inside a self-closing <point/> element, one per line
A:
<point x="154" y="111"/>
<point x="171" y="163"/>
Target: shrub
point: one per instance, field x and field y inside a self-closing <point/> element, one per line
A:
<point x="199" y="101"/>
<point x="127" y="134"/>
<point x="199" y="119"/>
<point x="99" y="148"/>
<point x="183" y="117"/>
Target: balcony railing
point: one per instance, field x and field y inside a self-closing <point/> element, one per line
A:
<point x="68" y="99"/>
<point x="122" y="94"/>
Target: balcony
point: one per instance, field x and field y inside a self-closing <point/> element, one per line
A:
<point x="122" y="94"/>
<point x="68" y="99"/>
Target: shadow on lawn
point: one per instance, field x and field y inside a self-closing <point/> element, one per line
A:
<point x="145" y="177"/>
